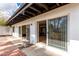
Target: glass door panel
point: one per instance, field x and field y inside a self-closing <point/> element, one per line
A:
<point x="57" y="32"/>
<point x="28" y="32"/>
<point x="20" y="33"/>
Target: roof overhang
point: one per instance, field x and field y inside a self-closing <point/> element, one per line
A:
<point x="28" y="10"/>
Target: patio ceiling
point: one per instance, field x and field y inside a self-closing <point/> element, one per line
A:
<point x="28" y="10"/>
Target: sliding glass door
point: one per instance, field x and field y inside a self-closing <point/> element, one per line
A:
<point x="28" y="32"/>
<point x="57" y="32"/>
<point x="20" y="31"/>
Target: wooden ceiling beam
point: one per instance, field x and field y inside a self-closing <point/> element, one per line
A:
<point x="57" y="4"/>
<point x="54" y="6"/>
<point x="24" y="14"/>
<point x="27" y="16"/>
<point x="35" y="9"/>
<point x="21" y="11"/>
<point x="42" y="5"/>
<point x="30" y="13"/>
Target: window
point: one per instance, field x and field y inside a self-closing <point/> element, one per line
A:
<point x="13" y="29"/>
<point x="57" y="32"/>
<point x="19" y="30"/>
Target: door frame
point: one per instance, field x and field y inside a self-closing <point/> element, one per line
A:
<point x="67" y="29"/>
<point x="26" y="31"/>
<point x="20" y="35"/>
<point x="22" y="30"/>
<point x="46" y="31"/>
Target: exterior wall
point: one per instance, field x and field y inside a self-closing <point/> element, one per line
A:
<point x="16" y="32"/>
<point x="74" y="32"/>
<point x="33" y="31"/>
<point x="72" y="10"/>
<point x="5" y="30"/>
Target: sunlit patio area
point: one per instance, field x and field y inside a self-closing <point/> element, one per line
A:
<point x="7" y="48"/>
<point x="40" y="49"/>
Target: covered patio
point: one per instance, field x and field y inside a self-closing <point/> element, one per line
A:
<point x="8" y="48"/>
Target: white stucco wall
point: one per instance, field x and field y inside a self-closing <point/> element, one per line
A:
<point x="73" y="32"/>
<point x="5" y="30"/>
<point x="16" y="31"/>
<point x="33" y="31"/>
<point x="72" y="10"/>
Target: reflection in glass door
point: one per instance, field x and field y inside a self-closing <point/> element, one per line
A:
<point x="57" y="32"/>
<point x="28" y="32"/>
<point x="20" y="32"/>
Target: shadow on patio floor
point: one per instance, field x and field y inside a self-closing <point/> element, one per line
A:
<point x="9" y="49"/>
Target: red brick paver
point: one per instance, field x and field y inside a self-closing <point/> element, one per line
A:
<point x="9" y="49"/>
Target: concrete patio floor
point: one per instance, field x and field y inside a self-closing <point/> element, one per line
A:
<point x="40" y="49"/>
<point x="7" y="48"/>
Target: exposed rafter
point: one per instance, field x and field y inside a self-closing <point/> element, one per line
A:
<point x="31" y="10"/>
<point x="54" y="6"/>
<point x="35" y="9"/>
<point x="57" y="4"/>
<point x="30" y="13"/>
<point x="26" y="15"/>
<point x="23" y="13"/>
<point x="22" y="10"/>
<point x="42" y="5"/>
